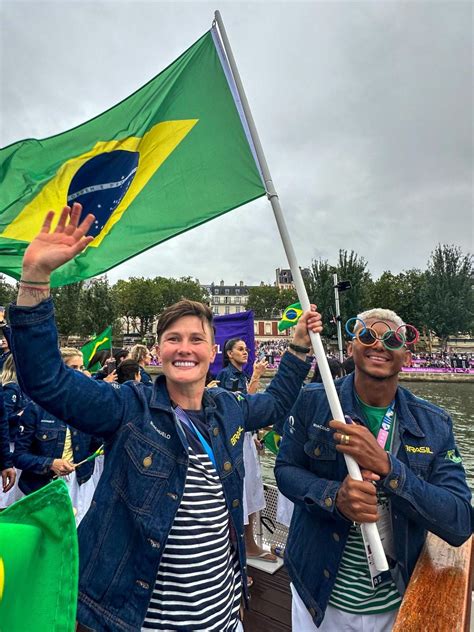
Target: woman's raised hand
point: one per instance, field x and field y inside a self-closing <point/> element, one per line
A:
<point x="50" y="250"/>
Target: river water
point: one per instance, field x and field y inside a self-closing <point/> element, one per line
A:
<point x="456" y="398"/>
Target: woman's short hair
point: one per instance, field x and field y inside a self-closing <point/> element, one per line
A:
<point x="180" y="310"/>
<point x="127" y="370"/>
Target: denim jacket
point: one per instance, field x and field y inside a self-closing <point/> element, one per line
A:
<point x="15" y="401"/>
<point x="5" y="454"/>
<point x="426" y="485"/>
<point x="40" y="440"/>
<point x="232" y="379"/>
<point x="123" y="535"/>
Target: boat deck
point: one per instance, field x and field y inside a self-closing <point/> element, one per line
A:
<point x="270" y="602"/>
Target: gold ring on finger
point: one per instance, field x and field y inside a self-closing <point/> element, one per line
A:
<point x="345" y="439"/>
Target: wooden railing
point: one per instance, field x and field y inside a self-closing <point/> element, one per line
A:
<point x="438" y="597"/>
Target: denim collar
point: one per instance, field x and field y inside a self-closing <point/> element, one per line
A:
<point x="351" y="407"/>
<point x="160" y="397"/>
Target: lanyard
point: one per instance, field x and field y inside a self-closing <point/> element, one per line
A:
<point x="387" y="422"/>
<point x="184" y="418"/>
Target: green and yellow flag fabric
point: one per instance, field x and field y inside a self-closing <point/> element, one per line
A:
<point x="39" y="563"/>
<point x="290" y="316"/>
<point x="272" y="441"/>
<point x="171" y="156"/>
<point x="100" y="342"/>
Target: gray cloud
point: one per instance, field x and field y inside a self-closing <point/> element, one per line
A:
<point x="364" y="110"/>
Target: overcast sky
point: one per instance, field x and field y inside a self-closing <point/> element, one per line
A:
<point x="364" y="110"/>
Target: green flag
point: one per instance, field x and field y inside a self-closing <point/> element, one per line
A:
<point x="170" y="157"/>
<point x="39" y="562"/>
<point x="272" y="441"/>
<point x="100" y="342"/>
<point x="290" y="316"/>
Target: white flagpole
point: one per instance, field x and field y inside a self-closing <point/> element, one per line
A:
<point x="369" y="530"/>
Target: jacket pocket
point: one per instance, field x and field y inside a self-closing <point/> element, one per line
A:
<point x="143" y="473"/>
<point x="46" y="441"/>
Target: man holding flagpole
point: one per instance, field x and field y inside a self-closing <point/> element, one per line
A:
<point x="414" y="482"/>
<point x="162" y="547"/>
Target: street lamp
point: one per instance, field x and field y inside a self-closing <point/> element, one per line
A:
<point x="339" y="286"/>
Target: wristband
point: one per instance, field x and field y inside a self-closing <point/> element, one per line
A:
<point x="299" y="348"/>
<point x="34" y="282"/>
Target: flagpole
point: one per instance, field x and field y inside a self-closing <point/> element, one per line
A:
<point x="370" y="531"/>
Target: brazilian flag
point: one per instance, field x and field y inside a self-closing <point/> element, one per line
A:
<point x="100" y="342"/>
<point x="272" y="441"/>
<point x="169" y="157"/>
<point x="290" y="316"/>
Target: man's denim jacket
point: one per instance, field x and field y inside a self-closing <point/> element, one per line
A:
<point x="40" y="440"/>
<point x="426" y="486"/>
<point x="122" y="537"/>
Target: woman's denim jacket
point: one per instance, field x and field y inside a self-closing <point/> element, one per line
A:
<point x="40" y="440"/>
<point x="123" y="535"/>
<point x="6" y="457"/>
<point x="426" y="485"/>
<point x="232" y="379"/>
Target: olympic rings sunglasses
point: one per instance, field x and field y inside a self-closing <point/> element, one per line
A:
<point x="392" y="340"/>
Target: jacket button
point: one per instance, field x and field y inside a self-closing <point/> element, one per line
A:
<point x="76" y="448"/>
<point x="172" y="495"/>
<point x="336" y="537"/>
<point x="227" y="466"/>
<point x="45" y="436"/>
<point x="147" y="461"/>
<point x="326" y="573"/>
<point x="154" y="543"/>
<point x="312" y="612"/>
<point x="143" y="584"/>
<point x="215" y="432"/>
<point x="317" y="451"/>
<point x="235" y="503"/>
<point x="74" y="433"/>
<point x="328" y="502"/>
<point x="394" y="483"/>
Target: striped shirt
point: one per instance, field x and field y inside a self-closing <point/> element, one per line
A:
<point x="353" y="591"/>
<point x="198" y="586"/>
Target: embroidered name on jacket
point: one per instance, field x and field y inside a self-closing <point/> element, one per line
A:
<point x="236" y="436"/>
<point x="422" y="449"/>
<point x="165" y="435"/>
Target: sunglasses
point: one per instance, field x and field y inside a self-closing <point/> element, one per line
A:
<point x="391" y="339"/>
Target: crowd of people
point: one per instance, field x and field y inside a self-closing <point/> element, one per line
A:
<point x="163" y="544"/>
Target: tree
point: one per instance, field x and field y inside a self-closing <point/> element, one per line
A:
<point x="173" y="290"/>
<point x="320" y="286"/>
<point x="67" y="306"/>
<point x="7" y="291"/>
<point x="404" y="293"/>
<point x="139" y="301"/>
<point x="269" y="301"/>
<point x="98" y="307"/>
<point x="449" y="292"/>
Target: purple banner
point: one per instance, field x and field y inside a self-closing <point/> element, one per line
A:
<point x="234" y="326"/>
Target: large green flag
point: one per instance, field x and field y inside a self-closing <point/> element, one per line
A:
<point x="171" y="156"/>
<point x="100" y="342"/>
<point x="39" y="563"/>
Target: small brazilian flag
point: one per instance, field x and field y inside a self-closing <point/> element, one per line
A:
<point x="272" y="441"/>
<point x="170" y="157"/>
<point x="100" y="342"/>
<point x="290" y="316"/>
